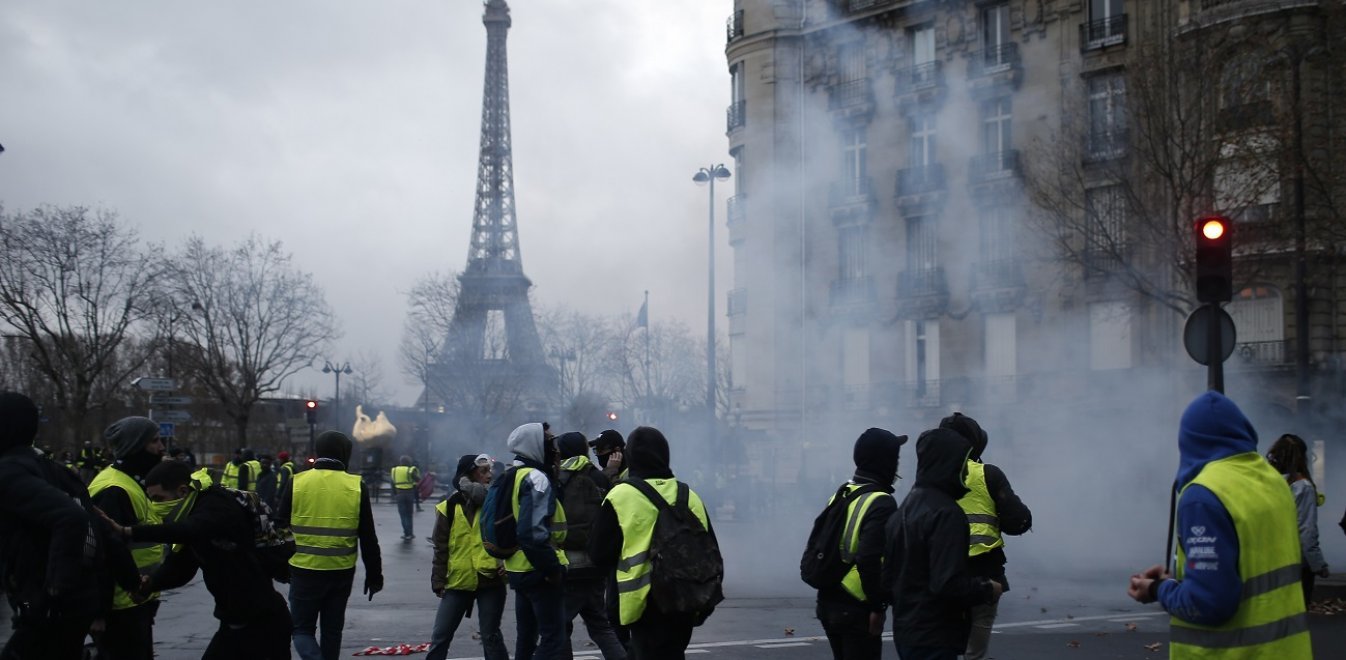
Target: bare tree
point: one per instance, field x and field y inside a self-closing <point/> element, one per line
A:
<point x="250" y="320"/>
<point x="430" y="306"/>
<point x="673" y="375"/>
<point x="72" y="287"/>
<point x="577" y="346"/>
<point x="366" y="381"/>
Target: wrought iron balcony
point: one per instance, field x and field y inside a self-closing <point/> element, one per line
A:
<point x="733" y="27"/>
<point x="1263" y="353"/>
<point x="997" y="274"/>
<point x="851" y="97"/>
<point x="850" y="192"/>
<point x="921" y="76"/>
<point x="736" y="115"/>
<point x="854" y="6"/>
<point x="858" y="291"/>
<point x="916" y="282"/>
<point x="1102" y="33"/>
<point x="1252" y="114"/>
<point x="920" y="180"/>
<point x="1106" y="145"/>
<point x="994" y="165"/>
<point x="1004" y="57"/>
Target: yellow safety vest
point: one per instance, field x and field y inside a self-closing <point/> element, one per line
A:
<point x="467" y="556"/>
<point x="518" y="562"/>
<point x="636" y="515"/>
<point x="402" y="479"/>
<point x="254" y="473"/>
<point x="1270" y="620"/>
<point x="202" y="478"/>
<point x="983" y="523"/>
<point x="229" y="478"/>
<point x="147" y="556"/>
<point x="850" y="538"/>
<point x="325" y="519"/>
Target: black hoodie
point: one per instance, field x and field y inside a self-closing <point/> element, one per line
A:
<point x="925" y="568"/>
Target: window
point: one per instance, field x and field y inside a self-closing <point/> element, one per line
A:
<point x="1242" y="83"/>
<point x="922" y="356"/>
<point x="854" y="169"/>
<point x="1107" y="114"/>
<point x="736" y="82"/>
<point x="1109" y="335"/>
<point x="855" y="357"/>
<point x="922" y="44"/>
<point x="851" y="253"/>
<point x="1001" y="351"/>
<point x="922" y="247"/>
<point x="1104" y="9"/>
<point x="995" y="31"/>
<point x="739" y="185"/>
<point x="738" y="360"/>
<point x="851" y="60"/>
<point x="1105" y="226"/>
<point x="997" y="235"/>
<point x="1259" y="315"/>
<point x="921" y="142"/>
<point x="1247" y="180"/>
<point x="995" y="125"/>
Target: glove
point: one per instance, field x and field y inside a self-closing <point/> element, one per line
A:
<point x="373" y="585"/>
<point x="439" y="591"/>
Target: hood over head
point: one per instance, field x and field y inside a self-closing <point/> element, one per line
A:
<point x="18" y="420"/>
<point x="876" y="455"/>
<point x="968" y="428"/>
<point x="647" y="454"/>
<point x="1212" y="428"/>
<point x="527" y="442"/>
<point x="572" y="444"/>
<point x="334" y="445"/>
<point x="128" y="435"/>
<point x="941" y="460"/>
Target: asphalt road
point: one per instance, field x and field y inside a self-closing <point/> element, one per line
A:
<point x="768" y="613"/>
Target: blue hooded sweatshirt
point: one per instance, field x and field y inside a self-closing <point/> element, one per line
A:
<point x="1212" y="428"/>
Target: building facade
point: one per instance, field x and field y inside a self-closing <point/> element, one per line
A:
<point x="955" y="205"/>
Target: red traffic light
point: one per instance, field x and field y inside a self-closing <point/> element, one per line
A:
<point x="612" y="416"/>
<point x="311" y="405"/>
<point x="1213" y="228"/>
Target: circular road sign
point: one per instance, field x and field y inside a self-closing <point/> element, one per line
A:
<point x="1195" y="335"/>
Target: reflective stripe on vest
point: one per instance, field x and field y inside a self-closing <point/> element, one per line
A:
<point x="636" y="515"/>
<point x="229" y="478"/>
<point x="467" y="556"/>
<point x="575" y="463"/>
<point x="1270" y="620"/>
<point x="202" y="478"/>
<point x="850" y="540"/>
<point x="983" y="524"/>
<point x="556" y="523"/>
<point x="401" y="476"/>
<point x="325" y="518"/>
<point x="147" y="556"/>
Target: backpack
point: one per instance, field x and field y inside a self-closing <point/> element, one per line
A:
<point x="823" y="564"/>
<point x="273" y="544"/>
<point x="581" y="498"/>
<point x="499" y="530"/>
<point x="686" y="569"/>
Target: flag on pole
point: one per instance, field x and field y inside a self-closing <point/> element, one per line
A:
<point x="643" y="316"/>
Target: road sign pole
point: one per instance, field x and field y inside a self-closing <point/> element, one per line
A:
<point x="1214" y="351"/>
<point x="312" y="446"/>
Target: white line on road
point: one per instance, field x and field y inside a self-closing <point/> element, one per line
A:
<point x="1053" y="626"/>
<point x="782" y="646"/>
<point x="1104" y="617"/>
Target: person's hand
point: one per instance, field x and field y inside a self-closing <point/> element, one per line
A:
<point x="142" y="593"/>
<point x="1155" y="572"/>
<point x="996" y="590"/>
<point x="1326" y="572"/>
<point x="876" y="623"/>
<point x="1139" y="589"/>
<point x="615" y="461"/>
<point x="373" y="585"/>
<point x="439" y="591"/>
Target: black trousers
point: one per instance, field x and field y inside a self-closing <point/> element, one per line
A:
<point x="265" y="638"/>
<point x="129" y="634"/>
<point x="847" y="628"/>
<point x="47" y="639"/>
<point x="660" y="636"/>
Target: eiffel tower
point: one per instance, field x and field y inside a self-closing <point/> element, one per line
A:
<point x="493" y="344"/>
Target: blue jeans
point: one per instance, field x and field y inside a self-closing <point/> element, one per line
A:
<point x="539" y="612"/>
<point x="406" y="501"/>
<point x="454" y="605"/>
<point x="315" y="594"/>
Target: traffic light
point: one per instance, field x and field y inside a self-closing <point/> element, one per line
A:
<point x="311" y="411"/>
<point x="1214" y="260"/>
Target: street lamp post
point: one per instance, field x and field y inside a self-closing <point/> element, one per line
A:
<point x="329" y="368"/>
<point x="709" y="175"/>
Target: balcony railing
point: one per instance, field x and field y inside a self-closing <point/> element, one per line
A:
<point x="994" y="165"/>
<point x="1262" y="353"/>
<point x="850" y="94"/>
<point x="738" y="302"/>
<point x="850" y="191"/>
<point x="920" y="180"/>
<point x="861" y="5"/>
<point x="736" y="115"/>
<point x="998" y="274"/>
<point x="993" y="60"/>
<point x="921" y="76"/>
<point x="733" y="26"/>
<point x="919" y="393"/>
<point x="921" y="282"/>
<point x="853" y="291"/>
<point x="1106" y="145"/>
<point x="1104" y="32"/>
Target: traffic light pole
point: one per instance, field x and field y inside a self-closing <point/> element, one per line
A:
<point x="1214" y="352"/>
<point x="312" y="430"/>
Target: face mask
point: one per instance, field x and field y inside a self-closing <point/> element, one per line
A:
<point x="174" y="510"/>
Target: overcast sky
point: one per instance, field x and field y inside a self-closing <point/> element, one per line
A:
<point x="349" y="130"/>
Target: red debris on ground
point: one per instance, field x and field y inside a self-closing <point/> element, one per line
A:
<point x="399" y="649"/>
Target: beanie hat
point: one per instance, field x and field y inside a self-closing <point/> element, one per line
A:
<point x="18" y="420"/>
<point x="571" y="444"/>
<point x="334" y="445"/>
<point x="968" y="428"/>
<point x="876" y="454"/>
<point x="283" y="456"/>
<point x="129" y="435"/>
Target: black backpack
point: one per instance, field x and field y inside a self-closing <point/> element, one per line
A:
<point x="273" y="544"/>
<point x="686" y="569"/>
<point x="823" y="565"/>
<point x="499" y="530"/>
<point x="582" y="499"/>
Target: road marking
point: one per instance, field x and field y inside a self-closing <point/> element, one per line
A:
<point x="690" y="651"/>
<point x="1103" y="617"/>
<point x="1053" y="626"/>
<point x="782" y="646"/>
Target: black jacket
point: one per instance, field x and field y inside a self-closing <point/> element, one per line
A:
<point x="925" y="565"/>
<point x="369" y="538"/>
<point x="217" y="539"/>
<point x="1015" y="519"/>
<point x="869" y="555"/>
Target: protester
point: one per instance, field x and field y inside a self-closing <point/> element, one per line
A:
<point x="217" y="536"/>
<point x="852" y="610"/>
<point x="236" y="472"/>
<point x="137" y="448"/>
<point x="90" y="461"/>
<point x="582" y="488"/>
<point x="1290" y="457"/>
<point x="462" y="573"/>
<point x="404" y="478"/>
<point x="925" y="564"/>
<point x="328" y="509"/>
<point x="621" y="538"/>
<point x="50" y="545"/>
<point x="992" y="510"/>
<point x="1236" y="593"/>
<point x="608" y="448"/>
<point x="537" y="571"/>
